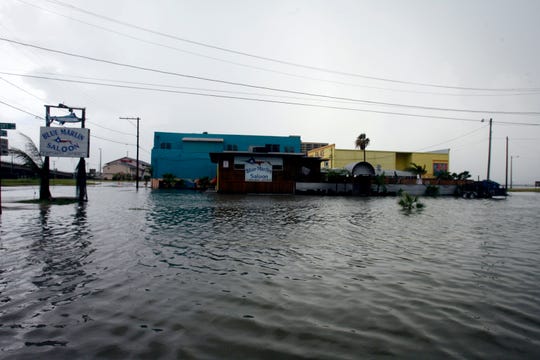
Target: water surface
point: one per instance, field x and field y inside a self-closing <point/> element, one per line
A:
<point x="158" y="274"/>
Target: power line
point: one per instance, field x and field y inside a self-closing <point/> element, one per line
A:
<point x="92" y="135"/>
<point x="457" y="137"/>
<point x="22" y="110"/>
<point x="188" y="88"/>
<point x="165" y="72"/>
<point x="106" y="128"/>
<point x="258" y="99"/>
<point x="182" y="87"/>
<point x="114" y="141"/>
<point x="39" y="117"/>
<point x="178" y="87"/>
<point x="263" y="100"/>
<point x="528" y="92"/>
<point x="20" y="88"/>
<point x="236" y="52"/>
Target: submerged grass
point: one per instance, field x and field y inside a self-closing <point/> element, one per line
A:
<point x="35" y="182"/>
<point x="524" y="190"/>
<point x="54" y="201"/>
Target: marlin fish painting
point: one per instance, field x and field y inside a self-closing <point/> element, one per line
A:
<point x="258" y="162"/>
<point x="59" y="140"/>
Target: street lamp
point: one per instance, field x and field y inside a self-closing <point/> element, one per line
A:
<point x="511" y="168"/>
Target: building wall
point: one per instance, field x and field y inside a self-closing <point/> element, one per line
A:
<point x="186" y="155"/>
<point x="307" y="146"/>
<point x="337" y="158"/>
<point x="232" y="181"/>
<point x="232" y="176"/>
<point x="110" y="170"/>
<point x="124" y="166"/>
<point x="403" y="160"/>
<point x="326" y="153"/>
<point x="429" y="160"/>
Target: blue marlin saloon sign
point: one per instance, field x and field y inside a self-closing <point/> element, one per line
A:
<point x="64" y="142"/>
<point x="259" y="170"/>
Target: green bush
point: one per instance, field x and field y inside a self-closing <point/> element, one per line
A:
<point x="409" y="202"/>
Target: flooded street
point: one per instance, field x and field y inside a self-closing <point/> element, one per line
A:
<point x="170" y="274"/>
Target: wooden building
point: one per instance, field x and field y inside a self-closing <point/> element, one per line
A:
<point x="263" y="172"/>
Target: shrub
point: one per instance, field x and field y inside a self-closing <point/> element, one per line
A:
<point x="408" y="202"/>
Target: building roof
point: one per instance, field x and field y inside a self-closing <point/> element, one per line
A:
<point x="127" y="161"/>
<point x="215" y="156"/>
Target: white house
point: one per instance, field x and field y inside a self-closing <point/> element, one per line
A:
<point x="125" y="168"/>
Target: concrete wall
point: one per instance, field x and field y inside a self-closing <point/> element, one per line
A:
<point x="413" y="189"/>
<point x="324" y="187"/>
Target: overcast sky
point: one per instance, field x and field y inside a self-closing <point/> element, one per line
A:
<point x="412" y="75"/>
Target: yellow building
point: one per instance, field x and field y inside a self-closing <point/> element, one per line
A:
<point x="434" y="161"/>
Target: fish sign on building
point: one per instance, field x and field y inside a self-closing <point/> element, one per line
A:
<point x="64" y="142"/>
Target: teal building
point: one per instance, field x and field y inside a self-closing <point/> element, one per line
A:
<point x="187" y="155"/>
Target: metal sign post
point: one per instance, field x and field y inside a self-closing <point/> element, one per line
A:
<point x="70" y="138"/>
<point x="3" y="126"/>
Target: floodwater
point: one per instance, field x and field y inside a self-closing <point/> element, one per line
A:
<point x="159" y="274"/>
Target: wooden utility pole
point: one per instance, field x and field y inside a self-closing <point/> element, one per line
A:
<point x="489" y="148"/>
<point x="137" y="174"/>
<point x="506" y="177"/>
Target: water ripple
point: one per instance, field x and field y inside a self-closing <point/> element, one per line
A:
<point x="190" y="275"/>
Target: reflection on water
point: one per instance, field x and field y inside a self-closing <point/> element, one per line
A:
<point x="45" y="269"/>
<point x="61" y="256"/>
<point x="176" y="275"/>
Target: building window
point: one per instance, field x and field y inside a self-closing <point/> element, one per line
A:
<point x="271" y="147"/>
<point x="289" y="149"/>
<point x="439" y="168"/>
<point x="231" y="147"/>
<point x="166" y="145"/>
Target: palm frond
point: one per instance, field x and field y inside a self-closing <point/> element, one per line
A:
<point x="417" y="169"/>
<point x="31" y="150"/>
<point x="27" y="160"/>
<point x="362" y="141"/>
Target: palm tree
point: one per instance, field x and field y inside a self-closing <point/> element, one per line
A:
<point x="32" y="159"/>
<point x="417" y="169"/>
<point x="361" y="143"/>
<point x="408" y="202"/>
